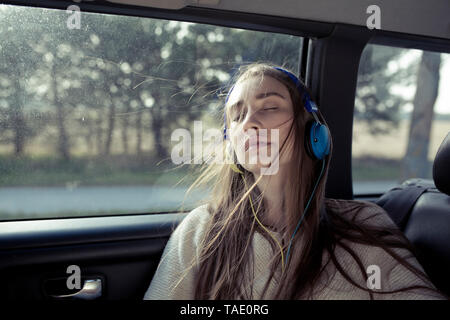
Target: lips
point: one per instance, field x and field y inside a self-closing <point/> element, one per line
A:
<point x="254" y="143"/>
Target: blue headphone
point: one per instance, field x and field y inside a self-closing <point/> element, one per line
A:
<point x="317" y="136"/>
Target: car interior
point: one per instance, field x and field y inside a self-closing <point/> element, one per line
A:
<point x="118" y="254"/>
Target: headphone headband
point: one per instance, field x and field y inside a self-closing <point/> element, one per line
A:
<point x="310" y="106"/>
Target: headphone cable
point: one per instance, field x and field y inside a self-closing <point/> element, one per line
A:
<point x="236" y="169"/>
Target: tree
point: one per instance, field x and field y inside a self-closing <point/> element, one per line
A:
<point x="375" y="103"/>
<point x="415" y="162"/>
<point x="14" y="70"/>
<point x="154" y="75"/>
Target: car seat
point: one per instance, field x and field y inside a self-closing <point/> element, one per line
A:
<point x="421" y="209"/>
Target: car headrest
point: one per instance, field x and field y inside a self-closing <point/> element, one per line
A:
<point x="441" y="166"/>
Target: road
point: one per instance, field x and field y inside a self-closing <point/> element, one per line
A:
<point x="32" y="202"/>
<point x="50" y="201"/>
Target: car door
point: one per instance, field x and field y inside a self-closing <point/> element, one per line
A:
<point x="113" y="257"/>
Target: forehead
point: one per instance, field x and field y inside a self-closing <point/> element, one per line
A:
<point x="250" y="88"/>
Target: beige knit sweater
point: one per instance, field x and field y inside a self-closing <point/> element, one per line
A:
<point x="174" y="279"/>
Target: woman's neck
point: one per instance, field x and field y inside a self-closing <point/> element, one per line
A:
<point x="273" y="187"/>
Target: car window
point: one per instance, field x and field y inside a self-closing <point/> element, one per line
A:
<point x="402" y="114"/>
<point x="88" y="103"/>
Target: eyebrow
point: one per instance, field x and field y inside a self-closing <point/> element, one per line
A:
<point x="258" y="97"/>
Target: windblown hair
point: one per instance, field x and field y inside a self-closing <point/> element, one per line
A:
<point x="225" y="262"/>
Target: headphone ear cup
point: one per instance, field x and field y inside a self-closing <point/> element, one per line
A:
<point x="317" y="140"/>
<point x="308" y="146"/>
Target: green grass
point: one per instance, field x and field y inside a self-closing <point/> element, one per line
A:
<point x="367" y="170"/>
<point x="376" y="169"/>
<point x="50" y="171"/>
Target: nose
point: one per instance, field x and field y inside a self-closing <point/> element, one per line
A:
<point x="251" y="121"/>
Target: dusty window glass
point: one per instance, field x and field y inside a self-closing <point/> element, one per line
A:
<point x="88" y="103"/>
<point x="402" y="114"/>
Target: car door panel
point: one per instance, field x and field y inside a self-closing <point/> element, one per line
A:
<point x="122" y="251"/>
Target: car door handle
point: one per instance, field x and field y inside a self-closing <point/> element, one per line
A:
<point x="92" y="289"/>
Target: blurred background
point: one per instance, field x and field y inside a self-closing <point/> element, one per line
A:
<point x="86" y="115"/>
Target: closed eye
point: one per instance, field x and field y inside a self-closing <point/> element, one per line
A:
<point x="240" y="115"/>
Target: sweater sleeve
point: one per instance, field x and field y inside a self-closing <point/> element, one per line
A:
<point x="399" y="277"/>
<point x="393" y="274"/>
<point x="174" y="277"/>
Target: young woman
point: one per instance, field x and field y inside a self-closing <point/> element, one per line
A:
<point x="273" y="234"/>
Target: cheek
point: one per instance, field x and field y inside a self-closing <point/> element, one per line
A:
<point x="283" y="132"/>
<point x="286" y="140"/>
<point x="279" y="118"/>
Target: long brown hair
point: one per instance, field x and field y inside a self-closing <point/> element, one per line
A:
<point x="225" y="255"/>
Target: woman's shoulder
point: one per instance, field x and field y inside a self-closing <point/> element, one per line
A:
<point x="375" y="259"/>
<point x="343" y="204"/>
<point x="361" y="211"/>
<point x="194" y="224"/>
<point x="366" y="215"/>
<point x="174" y="277"/>
<point x="198" y="216"/>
